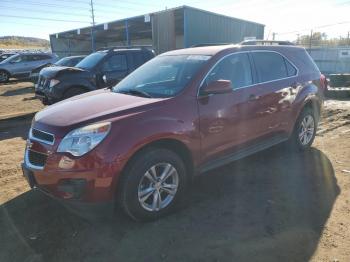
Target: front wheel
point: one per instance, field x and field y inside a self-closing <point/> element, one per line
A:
<point x="153" y="185"/>
<point x="305" y="130"/>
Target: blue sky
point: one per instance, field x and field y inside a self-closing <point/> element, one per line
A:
<point x="285" y="17"/>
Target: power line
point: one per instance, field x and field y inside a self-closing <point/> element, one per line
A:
<point x="101" y="8"/>
<point x="36" y="3"/>
<point x="131" y="3"/>
<point x="315" y="27"/>
<point x="43" y="4"/>
<point x="41" y="11"/>
<point x="47" y="19"/>
<point x="25" y="24"/>
<point x="75" y="1"/>
<point x="104" y="6"/>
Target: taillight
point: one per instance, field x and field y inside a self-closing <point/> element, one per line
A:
<point x="324" y="82"/>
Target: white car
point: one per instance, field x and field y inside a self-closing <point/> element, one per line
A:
<point x="20" y="65"/>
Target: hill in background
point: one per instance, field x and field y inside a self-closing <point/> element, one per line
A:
<point x="21" y="42"/>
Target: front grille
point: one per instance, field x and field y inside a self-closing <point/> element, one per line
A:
<point x="43" y="136"/>
<point x="43" y="82"/>
<point x="36" y="158"/>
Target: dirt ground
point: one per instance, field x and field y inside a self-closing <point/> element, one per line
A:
<point x="277" y="205"/>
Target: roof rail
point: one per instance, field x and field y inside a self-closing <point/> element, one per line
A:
<point x="210" y="44"/>
<point x="111" y="48"/>
<point x="266" y="42"/>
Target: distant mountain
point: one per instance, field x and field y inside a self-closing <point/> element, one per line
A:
<point x="23" y="42"/>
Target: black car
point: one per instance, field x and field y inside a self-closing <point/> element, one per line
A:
<point x="101" y="69"/>
<point x="66" y="61"/>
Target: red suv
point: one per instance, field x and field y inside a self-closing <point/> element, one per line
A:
<point x="180" y="114"/>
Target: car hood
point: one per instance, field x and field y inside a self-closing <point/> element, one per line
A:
<point x="38" y="69"/>
<point x="90" y="107"/>
<point x="56" y="71"/>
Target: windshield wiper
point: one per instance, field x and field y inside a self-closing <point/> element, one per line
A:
<point x="135" y="92"/>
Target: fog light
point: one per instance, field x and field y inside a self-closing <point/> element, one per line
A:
<point x="72" y="188"/>
<point x="66" y="163"/>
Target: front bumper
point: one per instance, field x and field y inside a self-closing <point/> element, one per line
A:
<point x="44" y="93"/>
<point x="43" y="98"/>
<point x="86" y="179"/>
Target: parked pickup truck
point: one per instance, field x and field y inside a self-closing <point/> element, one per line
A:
<point x="101" y="69"/>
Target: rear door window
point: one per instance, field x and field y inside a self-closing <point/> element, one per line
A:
<point x="41" y="57"/>
<point x="115" y="63"/>
<point x="270" y="66"/>
<point x="235" y="68"/>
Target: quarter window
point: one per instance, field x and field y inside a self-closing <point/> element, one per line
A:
<point x="235" y="68"/>
<point x="270" y="66"/>
<point x="137" y="59"/>
<point x="290" y="68"/>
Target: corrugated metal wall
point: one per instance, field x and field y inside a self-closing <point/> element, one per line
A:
<point x="163" y="31"/>
<point x="205" y="27"/>
<point x="69" y="46"/>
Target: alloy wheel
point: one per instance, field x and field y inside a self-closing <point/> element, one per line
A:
<point x="306" y="130"/>
<point x="158" y="187"/>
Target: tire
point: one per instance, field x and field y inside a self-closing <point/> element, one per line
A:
<point x="4" y="76"/>
<point x="73" y="91"/>
<point x="138" y="197"/>
<point x="304" y="130"/>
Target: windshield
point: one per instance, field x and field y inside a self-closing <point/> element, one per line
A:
<point x="4" y="56"/>
<point x="63" y="61"/>
<point x="13" y="57"/>
<point x="91" y="61"/>
<point x="163" y="76"/>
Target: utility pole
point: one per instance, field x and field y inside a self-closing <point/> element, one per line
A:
<point x="92" y="27"/>
<point x="310" y="43"/>
<point x="348" y="38"/>
<point x="298" y="39"/>
<point x="273" y="36"/>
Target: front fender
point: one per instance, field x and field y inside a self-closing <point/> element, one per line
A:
<point x="134" y="132"/>
<point x="60" y="89"/>
<point x="7" y="71"/>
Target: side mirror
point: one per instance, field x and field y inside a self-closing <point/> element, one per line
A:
<point x="218" y="87"/>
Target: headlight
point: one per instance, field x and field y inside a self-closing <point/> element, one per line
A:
<point x="82" y="140"/>
<point x="53" y="82"/>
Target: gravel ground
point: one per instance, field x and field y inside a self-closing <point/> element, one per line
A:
<point x="277" y="205"/>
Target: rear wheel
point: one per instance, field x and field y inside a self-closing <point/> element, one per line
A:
<point x="153" y="185"/>
<point x="74" y="91"/>
<point x="304" y="130"/>
<point x="4" y="76"/>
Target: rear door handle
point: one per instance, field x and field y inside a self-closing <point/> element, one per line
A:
<point x="253" y="97"/>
